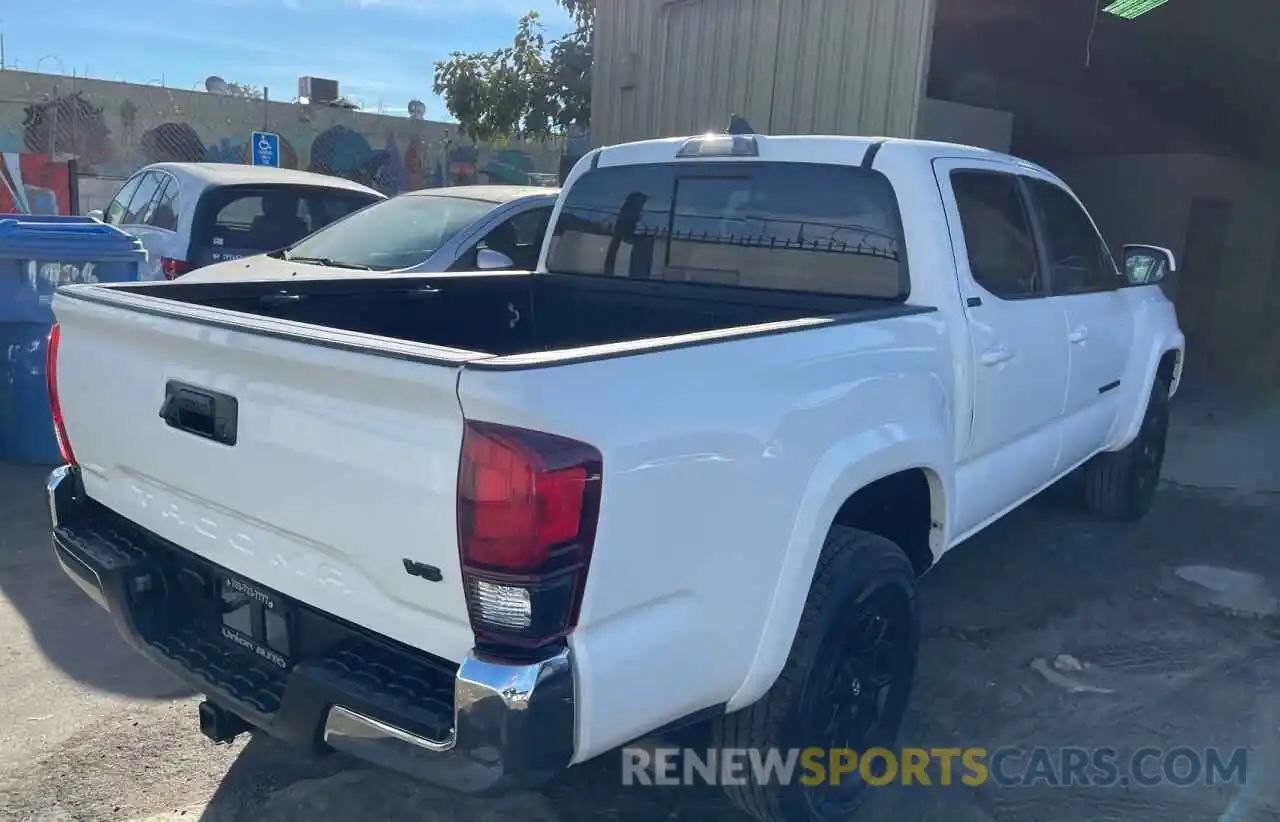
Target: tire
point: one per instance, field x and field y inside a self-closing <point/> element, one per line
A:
<point x="1121" y="485"/>
<point x="860" y="577"/>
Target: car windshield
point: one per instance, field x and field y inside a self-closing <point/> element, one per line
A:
<point x="398" y="233"/>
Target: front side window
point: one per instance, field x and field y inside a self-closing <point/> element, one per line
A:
<point x="1079" y="261"/>
<point x="531" y="226"/>
<point x="781" y="226"/>
<point x="997" y="234"/>
<point x="519" y="238"/>
<point x="397" y="233"/>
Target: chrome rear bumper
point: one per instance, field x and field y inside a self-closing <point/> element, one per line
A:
<point x="498" y="726"/>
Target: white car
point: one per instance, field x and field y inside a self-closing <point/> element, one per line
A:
<point x="480" y="528"/>
<point x="189" y="215"/>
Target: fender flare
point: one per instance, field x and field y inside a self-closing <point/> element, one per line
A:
<point x="850" y="466"/>
<point x="1127" y="429"/>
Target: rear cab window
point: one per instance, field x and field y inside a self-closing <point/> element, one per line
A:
<point x="779" y="226"/>
<point x="240" y="221"/>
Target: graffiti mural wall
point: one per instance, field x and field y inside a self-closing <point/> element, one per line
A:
<point x="115" y="128"/>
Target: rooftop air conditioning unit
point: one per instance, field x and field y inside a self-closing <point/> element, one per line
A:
<point x="318" y="90"/>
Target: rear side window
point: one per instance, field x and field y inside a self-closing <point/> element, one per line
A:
<point x="997" y="234"/>
<point x="120" y="203"/>
<point x="143" y="197"/>
<point x="236" y="221"/>
<point x="783" y="226"/>
<point x="164" y="208"/>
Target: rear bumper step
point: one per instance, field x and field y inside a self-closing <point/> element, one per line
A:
<point x="481" y="727"/>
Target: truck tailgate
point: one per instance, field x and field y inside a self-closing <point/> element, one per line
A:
<point x="314" y="470"/>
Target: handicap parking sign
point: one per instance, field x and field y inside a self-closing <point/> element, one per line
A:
<point x="266" y="149"/>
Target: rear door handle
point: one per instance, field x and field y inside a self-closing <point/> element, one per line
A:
<point x="997" y="355"/>
<point x="1079" y="335"/>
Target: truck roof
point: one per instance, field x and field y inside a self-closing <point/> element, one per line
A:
<point x="487" y="193"/>
<point x="807" y="148"/>
<point x="240" y="174"/>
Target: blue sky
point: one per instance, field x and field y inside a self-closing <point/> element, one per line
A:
<point x="380" y="51"/>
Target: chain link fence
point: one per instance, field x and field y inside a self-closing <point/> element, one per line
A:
<point x="112" y="129"/>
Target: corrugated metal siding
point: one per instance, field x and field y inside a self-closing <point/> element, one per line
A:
<point x="787" y="66"/>
<point x="619" y="108"/>
<point x="716" y="58"/>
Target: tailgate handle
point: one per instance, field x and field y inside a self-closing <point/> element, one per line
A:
<point x="201" y="412"/>
<point x="280" y="298"/>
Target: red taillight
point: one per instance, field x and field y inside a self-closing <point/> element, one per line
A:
<point x="174" y="268"/>
<point x="527" y="509"/>
<point x="55" y="406"/>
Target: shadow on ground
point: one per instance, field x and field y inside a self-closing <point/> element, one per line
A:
<point x="1048" y="580"/>
<point x="68" y="628"/>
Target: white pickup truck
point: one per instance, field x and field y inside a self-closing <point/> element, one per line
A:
<point x="480" y="528"/>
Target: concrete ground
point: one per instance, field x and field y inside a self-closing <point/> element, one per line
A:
<point x="1222" y="440"/>
<point x="90" y="731"/>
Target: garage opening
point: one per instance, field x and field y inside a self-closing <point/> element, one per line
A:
<point x="1163" y="116"/>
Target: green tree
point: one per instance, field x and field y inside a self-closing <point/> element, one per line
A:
<point x="244" y="90"/>
<point x="532" y="89"/>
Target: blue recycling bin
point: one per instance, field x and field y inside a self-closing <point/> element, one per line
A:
<point x="37" y="254"/>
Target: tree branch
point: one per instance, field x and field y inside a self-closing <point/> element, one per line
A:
<point x="531" y="89"/>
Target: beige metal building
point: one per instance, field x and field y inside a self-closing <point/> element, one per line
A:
<point x="1162" y="114"/>
<point x="787" y="66"/>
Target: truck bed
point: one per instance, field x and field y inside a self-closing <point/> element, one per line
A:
<point x="514" y="313"/>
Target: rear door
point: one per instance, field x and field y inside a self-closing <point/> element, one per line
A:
<point x="126" y="208"/>
<point x="1085" y="283"/>
<point x="240" y="221"/>
<point x="153" y="218"/>
<point x="1017" y="337"/>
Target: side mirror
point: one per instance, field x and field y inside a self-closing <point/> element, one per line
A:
<point x="96" y="214"/>
<point x="1147" y="264"/>
<point x="489" y="260"/>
